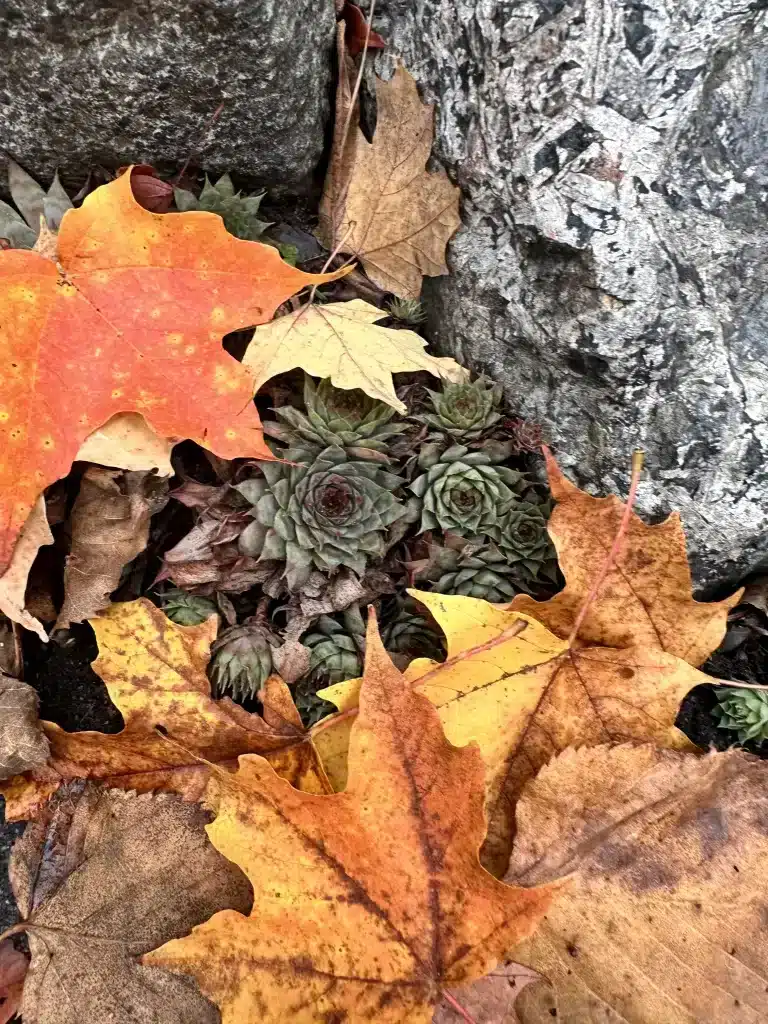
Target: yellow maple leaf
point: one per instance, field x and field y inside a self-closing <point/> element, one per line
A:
<point x="366" y="903"/>
<point x="341" y="341"/>
<point x="665" y="917"/>
<point x="154" y="671"/>
<point x="646" y="598"/>
<point x="525" y="699"/>
<point x="381" y="204"/>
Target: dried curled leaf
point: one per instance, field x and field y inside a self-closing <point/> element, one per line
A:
<point x="101" y="877"/>
<point x="342" y="341"/>
<point x="366" y="903"/>
<point x="380" y="202"/>
<point x="665" y="919"/>
<point x="110" y="527"/>
<point x="13" y="583"/>
<point x="647" y="597"/>
<point x="527" y="698"/>
<point x="154" y="671"/>
<point x="23" y="744"/>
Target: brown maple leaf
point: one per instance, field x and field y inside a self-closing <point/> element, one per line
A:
<point x="366" y="903"/>
<point x="647" y="596"/>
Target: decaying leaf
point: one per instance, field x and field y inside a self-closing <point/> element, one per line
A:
<point x="526" y="699"/>
<point x="341" y="341"/>
<point x="154" y="671"/>
<point x="388" y="210"/>
<point x="129" y="319"/>
<point x="666" y="916"/>
<point x="126" y="441"/>
<point x="647" y="596"/>
<point x="23" y="744"/>
<point x="13" y="583"/>
<point x="101" y="877"/>
<point x="366" y="903"/>
<point x="491" y="999"/>
<point x="110" y="527"/>
<point x="13" y="970"/>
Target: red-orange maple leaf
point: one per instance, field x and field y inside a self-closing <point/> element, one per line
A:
<point x="130" y="318"/>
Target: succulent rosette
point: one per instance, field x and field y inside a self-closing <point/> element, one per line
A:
<point x="465" y="492"/>
<point x="336" y="417"/>
<point x="464" y="411"/>
<point x="241" y="659"/>
<point x="744" y="711"/>
<point x="320" y="509"/>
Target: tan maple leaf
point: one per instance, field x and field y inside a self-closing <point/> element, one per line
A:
<point x="380" y="203"/>
<point x="366" y="903"/>
<point x="665" y="919"/>
<point x="647" y="597"/>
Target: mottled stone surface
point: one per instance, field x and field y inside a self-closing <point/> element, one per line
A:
<point x="612" y="271"/>
<point x="84" y="82"/>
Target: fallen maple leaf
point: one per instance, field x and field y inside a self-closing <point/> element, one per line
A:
<point x="13" y="582"/>
<point x="110" y="527"/>
<point x="525" y="699"/>
<point x="380" y="204"/>
<point x="366" y="903"/>
<point x="154" y="672"/>
<point x="666" y="919"/>
<point x="130" y="319"/>
<point x="13" y="969"/>
<point x="341" y="341"/>
<point x="23" y="744"/>
<point x="647" y="596"/>
<point x="101" y="877"/>
<point x="489" y="1000"/>
<point x="126" y="441"/>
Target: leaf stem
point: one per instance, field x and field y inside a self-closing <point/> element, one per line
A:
<point x="15" y="929"/>
<point x="456" y="1005"/>
<point x="502" y="638"/>
<point x="618" y="540"/>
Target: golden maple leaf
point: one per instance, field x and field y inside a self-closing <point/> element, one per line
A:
<point x="665" y="920"/>
<point x="525" y="699"/>
<point x="366" y="903"/>
<point x="154" y="671"/>
<point x="341" y="341"/>
<point x="381" y="204"/>
<point x="647" y="596"/>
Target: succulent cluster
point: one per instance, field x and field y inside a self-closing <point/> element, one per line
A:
<point x="439" y="497"/>
<point x="240" y="213"/>
<point x="745" y="711"/>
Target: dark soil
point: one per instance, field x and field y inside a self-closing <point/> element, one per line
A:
<point x="742" y="657"/>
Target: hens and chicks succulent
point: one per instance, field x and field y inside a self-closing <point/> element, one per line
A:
<point x="363" y="490"/>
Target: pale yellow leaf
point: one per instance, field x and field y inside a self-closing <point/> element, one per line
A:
<point x="342" y="341"/>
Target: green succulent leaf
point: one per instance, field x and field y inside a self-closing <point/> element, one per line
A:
<point x="744" y="711"/>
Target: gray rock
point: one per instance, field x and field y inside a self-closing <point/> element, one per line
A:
<point x="84" y="82"/>
<point x="613" y="268"/>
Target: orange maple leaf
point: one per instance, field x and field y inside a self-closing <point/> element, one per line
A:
<point x="130" y="318"/>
